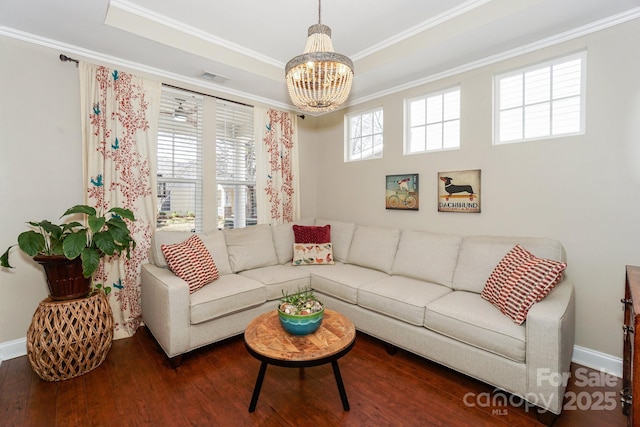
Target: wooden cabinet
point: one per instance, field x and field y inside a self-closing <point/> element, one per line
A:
<point x="630" y="393"/>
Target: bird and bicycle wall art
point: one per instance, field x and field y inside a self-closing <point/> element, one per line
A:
<point x="459" y="191"/>
<point x="402" y="192"/>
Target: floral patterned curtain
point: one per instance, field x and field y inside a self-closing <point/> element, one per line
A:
<point x="119" y="134"/>
<point x="278" y="196"/>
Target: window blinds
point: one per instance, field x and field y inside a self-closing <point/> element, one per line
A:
<point x="179" y="153"/>
<point x="235" y="164"/>
<point x="541" y="101"/>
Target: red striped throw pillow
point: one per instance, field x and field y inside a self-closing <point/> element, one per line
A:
<point x="191" y="261"/>
<point x="520" y="280"/>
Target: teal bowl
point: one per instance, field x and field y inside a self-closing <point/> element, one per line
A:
<point x="301" y="324"/>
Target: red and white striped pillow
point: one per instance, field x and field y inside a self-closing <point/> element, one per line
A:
<point x="520" y="280"/>
<point x="191" y="261"/>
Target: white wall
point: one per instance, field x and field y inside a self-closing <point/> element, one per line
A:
<point x="581" y="190"/>
<point x="40" y="165"/>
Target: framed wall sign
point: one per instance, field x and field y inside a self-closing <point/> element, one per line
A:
<point x="459" y="191"/>
<point x="402" y="192"/>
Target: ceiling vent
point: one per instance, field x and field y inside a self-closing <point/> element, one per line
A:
<point x="217" y="78"/>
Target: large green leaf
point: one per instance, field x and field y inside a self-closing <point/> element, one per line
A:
<point x="31" y="242"/>
<point x="96" y="223"/>
<point x="90" y="261"/>
<point x="116" y="222"/>
<point x="74" y="243"/>
<point x="71" y="225"/>
<point x="119" y="234"/>
<point x="104" y="241"/>
<point x="57" y="248"/>
<point x="4" y="259"/>
<point x="80" y="209"/>
<point x="124" y="213"/>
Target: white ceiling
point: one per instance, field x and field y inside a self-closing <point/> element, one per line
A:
<point x="394" y="44"/>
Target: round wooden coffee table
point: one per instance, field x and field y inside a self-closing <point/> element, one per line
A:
<point x="268" y="342"/>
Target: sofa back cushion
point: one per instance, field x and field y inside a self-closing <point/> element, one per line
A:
<point x="479" y="255"/>
<point x="374" y="247"/>
<point x="427" y="256"/>
<point x="283" y="239"/>
<point x="250" y="247"/>
<point x="341" y="235"/>
<point x="213" y="241"/>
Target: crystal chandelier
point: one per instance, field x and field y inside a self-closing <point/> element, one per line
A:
<point x="319" y="79"/>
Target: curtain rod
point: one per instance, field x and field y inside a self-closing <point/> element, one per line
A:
<point x="206" y="94"/>
<point x="65" y="58"/>
<point x="216" y="97"/>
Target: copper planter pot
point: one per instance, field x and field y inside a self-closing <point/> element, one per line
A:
<point x="64" y="277"/>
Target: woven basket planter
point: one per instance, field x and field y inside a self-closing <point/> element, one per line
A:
<point x="69" y="338"/>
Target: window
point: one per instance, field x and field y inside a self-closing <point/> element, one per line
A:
<point x="179" y="154"/>
<point x="364" y="136"/>
<point x="235" y="165"/>
<point x="433" y="122"/>
<point x="542" y="101"/>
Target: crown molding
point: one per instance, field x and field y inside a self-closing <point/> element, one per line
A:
<point x="176" y="25"/>
<point x="423" y="26"/>
<point x="522" y="50"/>
<point x="531" y="47"/>
<point x="120" y="62"/>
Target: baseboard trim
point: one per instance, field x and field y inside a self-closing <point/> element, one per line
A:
<point x="13" y="349"/>
<point x="581" y="355"/>
<point x="596" y="360"/>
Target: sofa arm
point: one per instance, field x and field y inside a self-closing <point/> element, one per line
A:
<point x="165" y="308"/>
<point x="550" y="339"/>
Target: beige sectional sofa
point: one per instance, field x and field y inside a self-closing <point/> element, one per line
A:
<point x="416" y="290"/>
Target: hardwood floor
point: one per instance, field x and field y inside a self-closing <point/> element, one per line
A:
<point x="135" y="386"/>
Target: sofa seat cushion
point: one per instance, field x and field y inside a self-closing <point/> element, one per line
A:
<point x="341" y="280"/>
<point x="277" y="278"/>
<point x="229" y="294"/>
<point x="400" y="297"/>
<point x="467" y="317"/>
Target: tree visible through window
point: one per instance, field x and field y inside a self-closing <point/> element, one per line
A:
<point x="364" y="135"/>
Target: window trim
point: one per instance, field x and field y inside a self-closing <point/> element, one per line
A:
<point x="347" y="135"/>
<point x="407" y="121"/>
<point x="582" y="55"/>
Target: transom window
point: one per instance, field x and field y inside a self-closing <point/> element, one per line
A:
<point x="433" y="122"/>
<point x="364" y="135"/>
<point x="542" y="101"/>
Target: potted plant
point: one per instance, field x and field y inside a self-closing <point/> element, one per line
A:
<point x="300" y="313"/>
<point x="70" y="252"/>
